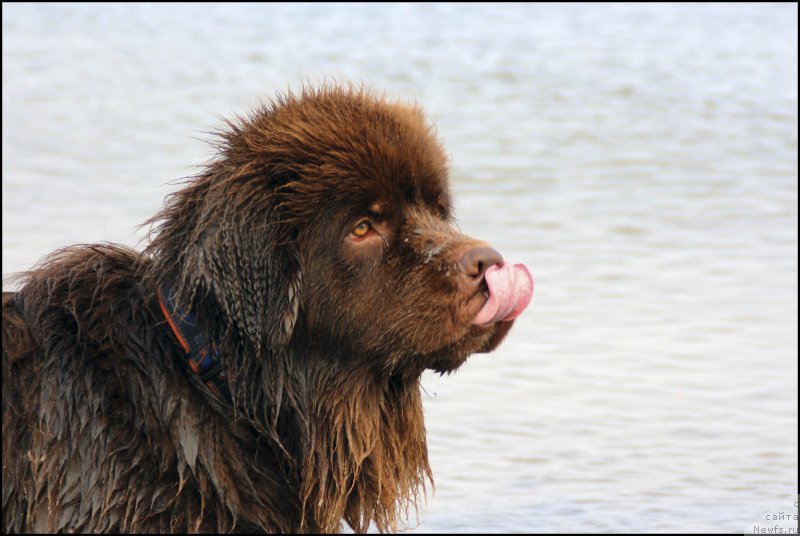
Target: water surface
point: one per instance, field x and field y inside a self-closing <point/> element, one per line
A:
<point x="640" y="159"/>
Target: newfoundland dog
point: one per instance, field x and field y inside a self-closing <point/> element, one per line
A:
<point x="257" y="367"/>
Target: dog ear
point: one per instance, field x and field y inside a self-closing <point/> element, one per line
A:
<point x="252" y="268"/>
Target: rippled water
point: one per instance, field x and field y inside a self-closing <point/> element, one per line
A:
<point x="641" y="159"/>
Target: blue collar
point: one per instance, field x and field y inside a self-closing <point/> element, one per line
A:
<point x="202" y="355"/>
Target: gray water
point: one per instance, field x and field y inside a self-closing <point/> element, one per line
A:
<point x="640" y="159"/>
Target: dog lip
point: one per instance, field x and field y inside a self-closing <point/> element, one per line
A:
<point x="477" y="300"/>
<point x="484" y="288"/>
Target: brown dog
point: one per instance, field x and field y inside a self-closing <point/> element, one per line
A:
<point x="257" y="367"/>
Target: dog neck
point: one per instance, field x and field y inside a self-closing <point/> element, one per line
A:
<point x="357" y="453"/>
<point x="366" y="455"/>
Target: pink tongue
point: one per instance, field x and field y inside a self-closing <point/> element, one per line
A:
<point x="510" y="292"/>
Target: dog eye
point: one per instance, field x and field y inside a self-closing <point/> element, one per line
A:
<point x="362" y="229"/>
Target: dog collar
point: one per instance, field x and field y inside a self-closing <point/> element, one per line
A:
<point x="202" y="355"/>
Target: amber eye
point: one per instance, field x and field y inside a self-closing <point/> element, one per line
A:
<point x="362" y="229"/>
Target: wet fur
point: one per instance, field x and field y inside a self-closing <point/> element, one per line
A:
<point x="324" y="341"/>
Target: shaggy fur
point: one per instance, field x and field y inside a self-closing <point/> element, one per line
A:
<point x="324" y="334"/>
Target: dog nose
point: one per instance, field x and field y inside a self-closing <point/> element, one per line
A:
<point x="476" y="260"/>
